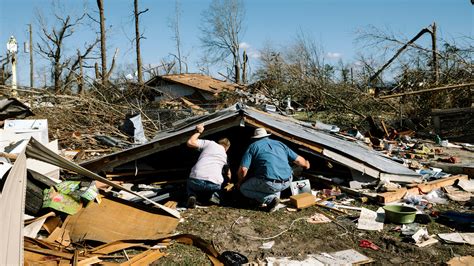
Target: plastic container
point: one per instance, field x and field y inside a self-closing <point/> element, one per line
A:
<point x="399" y="214"/>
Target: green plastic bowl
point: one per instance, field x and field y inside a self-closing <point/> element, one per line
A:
<point x="399" y="214"/>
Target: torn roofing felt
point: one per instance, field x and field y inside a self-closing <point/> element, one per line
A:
<point x="326" y="145"/>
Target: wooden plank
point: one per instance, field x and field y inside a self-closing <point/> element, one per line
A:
<point x="415" y="189"/>
<point x="144" y="258"/>
<point x="171" y="204"/>
<point x="384" y="127"/>
<point x="60" y="254"/>
<point x="115" y="246"/>
<point x="148" y="259"/>
<point x="89" y="261"/>
<point x="443" y="182"/>
<point x="398" y="194"/>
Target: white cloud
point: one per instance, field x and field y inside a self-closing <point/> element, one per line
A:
<point x="332" y="55"/>
<point x="244" y="45"/>
<point x="251" y="52"/>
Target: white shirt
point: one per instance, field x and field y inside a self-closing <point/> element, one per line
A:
<point x="211" y="160"/>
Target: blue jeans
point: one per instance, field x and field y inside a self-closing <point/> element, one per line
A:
<point x="262" y="190"/>
<point x="203" y="190"/>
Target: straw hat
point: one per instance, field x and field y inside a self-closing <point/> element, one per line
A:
<point x="260" y="133"/>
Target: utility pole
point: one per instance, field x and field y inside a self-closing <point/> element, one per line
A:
<point x="32" y="82"/>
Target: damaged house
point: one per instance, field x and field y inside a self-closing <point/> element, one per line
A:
<point x="192" y="89"/>
<point x="167" y="159"/>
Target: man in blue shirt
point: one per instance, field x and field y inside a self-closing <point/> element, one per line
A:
<point x="265" y="171"/>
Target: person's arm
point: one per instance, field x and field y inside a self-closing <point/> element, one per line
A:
<point x="302" y="162"/>
<point x="241" y="175"/>
<point x="193" y="140"/>
<point x="229" y="174"/>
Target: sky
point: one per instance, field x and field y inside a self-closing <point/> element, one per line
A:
<point x="332" y="24"/>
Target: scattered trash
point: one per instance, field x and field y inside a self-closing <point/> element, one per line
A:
<point x="232" y="258"/>
<point x="458" y="220"/>
<point x="85" y="208"/>
<point x="427" y="241"/>
<point x="370" y="220"/>
<point x="436" y="196"/>
<point x="410" y="229"/>
<point x="457" y="195"/>
<point x="458" y="238"/>
<point x="461" y="261"/>
<point x="318" y="218"/>
<point x="466" y="185"/>
<point x="420" y="236"/>
<point x="267" y="245"/>
<point x="344" y="257"/>
<point x="368" y="244"/>
<point x="299" y="187"/>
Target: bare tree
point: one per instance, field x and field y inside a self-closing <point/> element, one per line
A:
<point x="174" y="25"/>
<point x="104" y="74"/>
<point x="52" y="48"/>
<point x="221" y="31"/>
<point x="137" y="14"/>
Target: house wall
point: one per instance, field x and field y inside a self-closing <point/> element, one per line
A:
<point x="174" y="91"/>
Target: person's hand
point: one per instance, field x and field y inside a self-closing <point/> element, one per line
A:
<point x="200" y="128"/>
<point x="307" y="165"/>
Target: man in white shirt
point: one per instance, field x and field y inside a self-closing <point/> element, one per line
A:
<point x="206" y="178"/>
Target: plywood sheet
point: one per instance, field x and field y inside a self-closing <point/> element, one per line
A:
<point x="112" y="221"/>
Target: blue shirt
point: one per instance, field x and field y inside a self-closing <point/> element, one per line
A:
<point x="267" y="158"/>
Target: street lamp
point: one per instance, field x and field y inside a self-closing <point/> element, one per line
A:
<point x="12" y="48"/>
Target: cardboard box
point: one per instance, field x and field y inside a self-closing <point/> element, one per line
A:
<point x="303" y="200"/>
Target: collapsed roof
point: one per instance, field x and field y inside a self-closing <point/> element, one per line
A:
<point x="197" y="81"/>
<point x="238" y="121"/>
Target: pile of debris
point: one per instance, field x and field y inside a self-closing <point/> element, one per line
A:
<point x="74" y="213"/>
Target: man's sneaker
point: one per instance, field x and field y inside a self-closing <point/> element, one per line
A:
<point x="191" y="202"/>
<point x="272" y="206"/>
<point x="214" y="201"/>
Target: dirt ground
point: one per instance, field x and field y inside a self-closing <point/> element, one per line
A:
<point x="245" y="230"/>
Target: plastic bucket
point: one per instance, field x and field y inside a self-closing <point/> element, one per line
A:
<point x="399" y="214"/>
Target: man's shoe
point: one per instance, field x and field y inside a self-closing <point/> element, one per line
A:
<point x="214" y="201"/>
<point x="272" y="206"/>
<point x="191" y="202"/>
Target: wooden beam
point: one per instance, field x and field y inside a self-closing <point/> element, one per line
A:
<point x="55" y="253"/>
<point x="415" y="189"/>
<point x="443" y="182"/>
